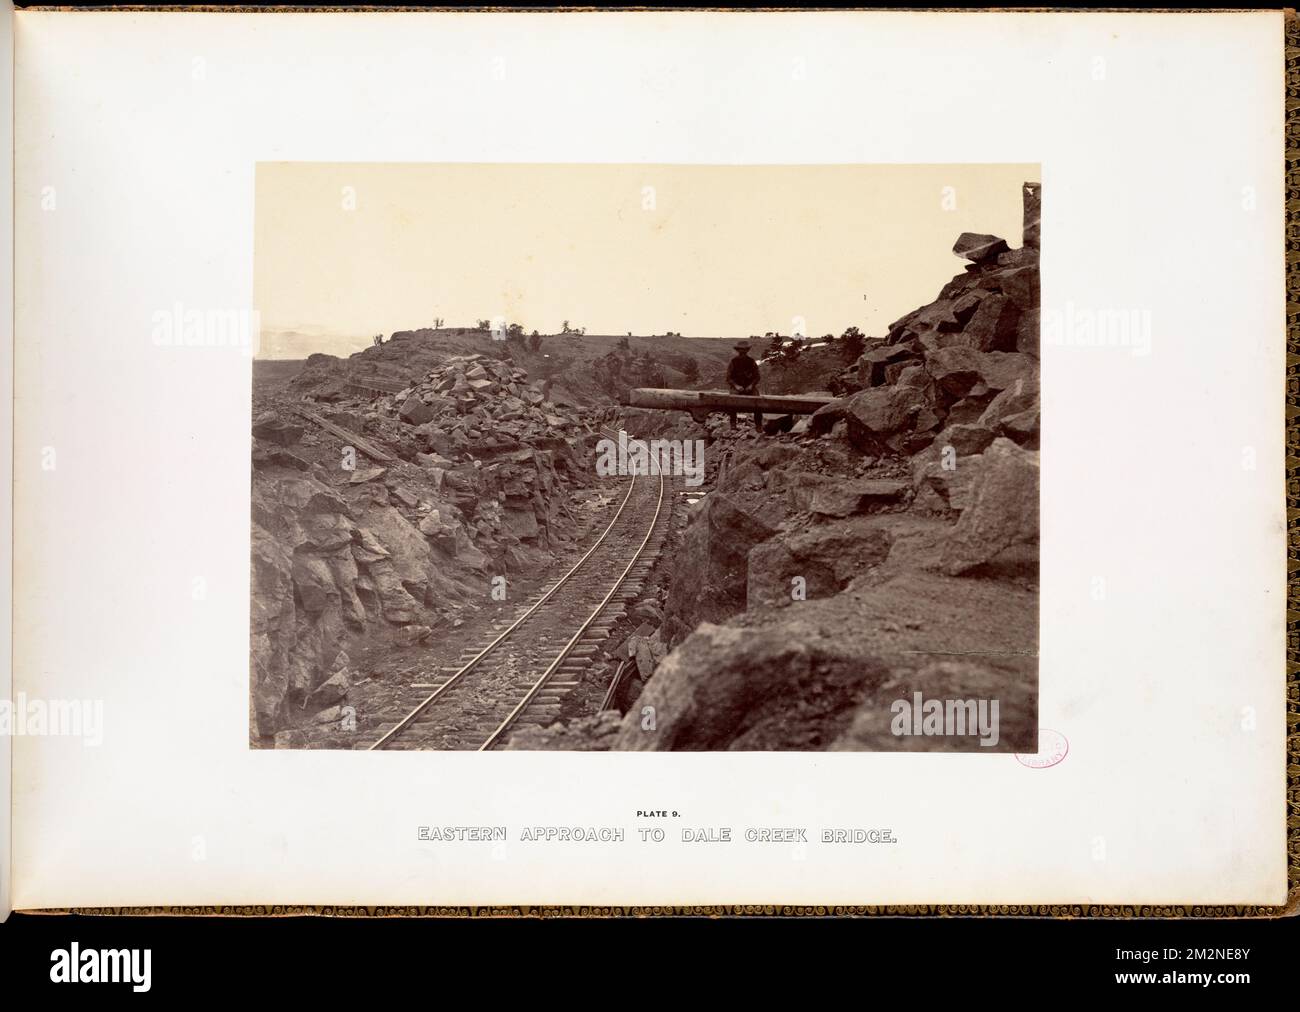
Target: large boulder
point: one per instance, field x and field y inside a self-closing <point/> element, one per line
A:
<point x="956" y="370"/>
<point x="333" y="690"/>
<point x="992" y="327"/>
<point x="797" y="678"/>
<point x="899" y="418"/>
<point x="1014" y="413"/>
<point x="968" y="410"/>
<point x="703" y="691"/>
<point x="1003" y="510"/>
<point x="979" y="248"/>
<point x="1003" y="369"/>
<point x="798" y="489"/>
<point x="943" y="480"/>
<point x="1021" y="285"/>
<point x="825" y="558"/>
<point x="274" y="429"/>
<point x="879" y="417"/>
<point x="872" y="365"/>
<point x="1019" y="396"/>
<point x="965" y="439"/>
<point x="981" y="682"/>
<point x="416" y="412"/>
<point x="845" y="498"/>
<point x="960" y="372"/>
<point x="712" y="575"/>
<point x="1022" y="428"/>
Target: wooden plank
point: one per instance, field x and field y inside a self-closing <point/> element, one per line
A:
<point x="351" y="438"/>
<point x="717" y="400"/>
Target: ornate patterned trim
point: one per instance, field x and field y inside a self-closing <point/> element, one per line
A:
<point x="1292" y="136"/>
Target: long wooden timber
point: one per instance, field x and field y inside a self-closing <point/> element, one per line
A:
<point x="351" y="438"/>
<point x="703" y="401"/>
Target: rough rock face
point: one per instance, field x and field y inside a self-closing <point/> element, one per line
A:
<point x="889" y="549"/>
<point x="475" y="483"/>
<point x="871" y="727"/>
<point x="950" y="385"/>
<point x="824" y="558"/>
<point x="474" y="404"/>
<point x="713" y="564"/>
<point x="942" y="481"/>
<point x="843" y="499"/>
<point x="996" y="517"/>
<point x="992" y="306"/>
<point x="746" y="669"/>
<point x="274" y="623"/>
<point x="792" y="499"/>
<point x="274" y="429"/>
<point x="825" y="674"/>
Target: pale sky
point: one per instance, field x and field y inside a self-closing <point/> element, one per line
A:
<point x="706" y="251"/>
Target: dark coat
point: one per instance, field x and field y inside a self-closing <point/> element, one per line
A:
<point x="743" y="372"/>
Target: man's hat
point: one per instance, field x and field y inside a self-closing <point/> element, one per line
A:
<point x="742" y="346"/>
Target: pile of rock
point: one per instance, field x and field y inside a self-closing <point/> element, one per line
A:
<point x="945" y="362"/>
<point x="378" y="521"/>
<point x="992" y="306"/>
<point x="955" y="386"/>
<point x="475" y="404"/>
<point x="817" y="581"/>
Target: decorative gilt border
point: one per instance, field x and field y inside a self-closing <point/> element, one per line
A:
<point x="1062" y="911"/>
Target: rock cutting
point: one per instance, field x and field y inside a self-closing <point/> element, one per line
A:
<point x="437" y="562"/>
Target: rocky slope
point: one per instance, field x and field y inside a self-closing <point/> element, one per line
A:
<point x="379" y="519"/>
<point x="887" y="545"/>
<point x="578" y="370"/>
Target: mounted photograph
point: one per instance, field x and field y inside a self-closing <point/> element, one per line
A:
<point x="622" y="457"/>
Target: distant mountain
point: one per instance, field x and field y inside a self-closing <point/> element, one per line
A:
<point x="300" y="341"/>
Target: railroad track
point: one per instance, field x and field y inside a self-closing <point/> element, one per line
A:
<point x="521" y="675"/>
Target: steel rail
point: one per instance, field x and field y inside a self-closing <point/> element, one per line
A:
<point x="546" y="675"/>
<point x="406" y="721"/>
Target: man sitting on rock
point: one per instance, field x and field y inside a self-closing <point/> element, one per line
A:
<point x="743" y="377"/>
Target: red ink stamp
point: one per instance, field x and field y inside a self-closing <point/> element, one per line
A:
<point x="1052" y="748"/>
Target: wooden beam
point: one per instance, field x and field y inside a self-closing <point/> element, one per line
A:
<point x="697" y="401"/>
<point x="351" y="438"/>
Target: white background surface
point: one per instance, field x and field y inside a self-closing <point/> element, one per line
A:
<point x="1164" y="796"/>
<point x="6" y="450"/>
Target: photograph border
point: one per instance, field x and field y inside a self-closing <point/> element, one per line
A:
<point x="1291" y="22"/>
